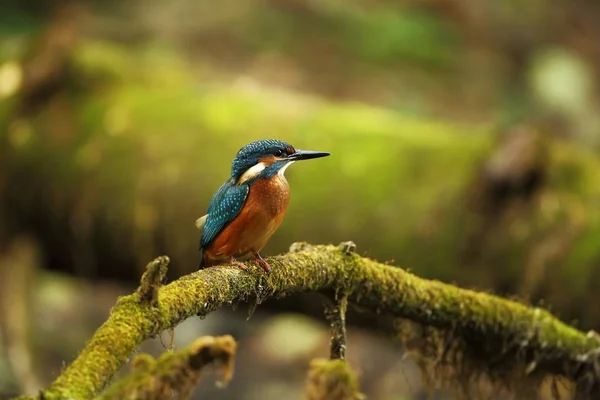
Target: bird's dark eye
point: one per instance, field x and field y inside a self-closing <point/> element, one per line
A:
<point x="278" y="153"/>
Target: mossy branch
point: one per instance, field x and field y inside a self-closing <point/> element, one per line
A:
<point x="509" y="333"/>
<point x="332" y="380"/>
<point x="175" y="372"/>
<point x="152" y="280"/>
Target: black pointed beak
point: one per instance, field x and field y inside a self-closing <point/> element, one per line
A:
<point x="307" y="155"/>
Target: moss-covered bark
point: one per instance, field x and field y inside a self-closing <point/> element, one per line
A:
<point x="490" y="328"/>
<point x="332" y="380"/>
<point x="174" y="372"/>
<point x="152" y="280"/>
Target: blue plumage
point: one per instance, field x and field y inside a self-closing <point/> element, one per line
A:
<point x="228" y="201"/>
<point x="269" y="157"/>
<point x="224" y="206"/>
<point x="250" y="154"/>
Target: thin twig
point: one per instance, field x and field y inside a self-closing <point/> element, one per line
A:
<point x="335" y="314"/>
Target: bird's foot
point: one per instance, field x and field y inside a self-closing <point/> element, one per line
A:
<point x="239" y="264"/>
<point x="261" y="261"/>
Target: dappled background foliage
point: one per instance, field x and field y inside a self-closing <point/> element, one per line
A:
<point x="464" y="140"/>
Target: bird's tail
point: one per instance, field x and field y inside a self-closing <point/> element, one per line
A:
<point x="206" y="261"/>
<point x="201" y="263"/>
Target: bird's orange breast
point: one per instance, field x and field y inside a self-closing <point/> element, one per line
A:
<point x="259" y="218"/>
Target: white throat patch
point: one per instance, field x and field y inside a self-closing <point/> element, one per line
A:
<point x="282" y="170"/>
<point x="252" y="172"/>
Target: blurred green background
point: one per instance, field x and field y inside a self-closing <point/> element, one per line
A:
<point x="465" y="141"/>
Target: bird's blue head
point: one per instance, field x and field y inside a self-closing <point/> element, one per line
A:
<point x="266" y="158"/>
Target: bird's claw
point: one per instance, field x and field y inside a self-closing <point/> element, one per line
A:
<point x="261" y="261"/>
<point x="244" y="267"/>
<point x="239" y="264"/>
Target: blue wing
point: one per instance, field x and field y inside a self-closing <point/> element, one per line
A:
<point x="225" y="205"/>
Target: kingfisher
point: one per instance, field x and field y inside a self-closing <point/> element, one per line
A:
<point x="249" y="207"/>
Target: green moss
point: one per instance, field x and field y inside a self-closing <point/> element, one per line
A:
<point x="112" y="344"/>
<point x="174" y="372"/>
<point x="332" y="380"/>
<point x="152" y="280"/>
<point x="487" y="327"/>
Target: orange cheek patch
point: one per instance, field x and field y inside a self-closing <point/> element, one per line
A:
<point x="268" y="160"/>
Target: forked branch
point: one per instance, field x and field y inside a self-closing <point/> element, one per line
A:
<point x="489" y="327"/>
<point x="175" y="372"/>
